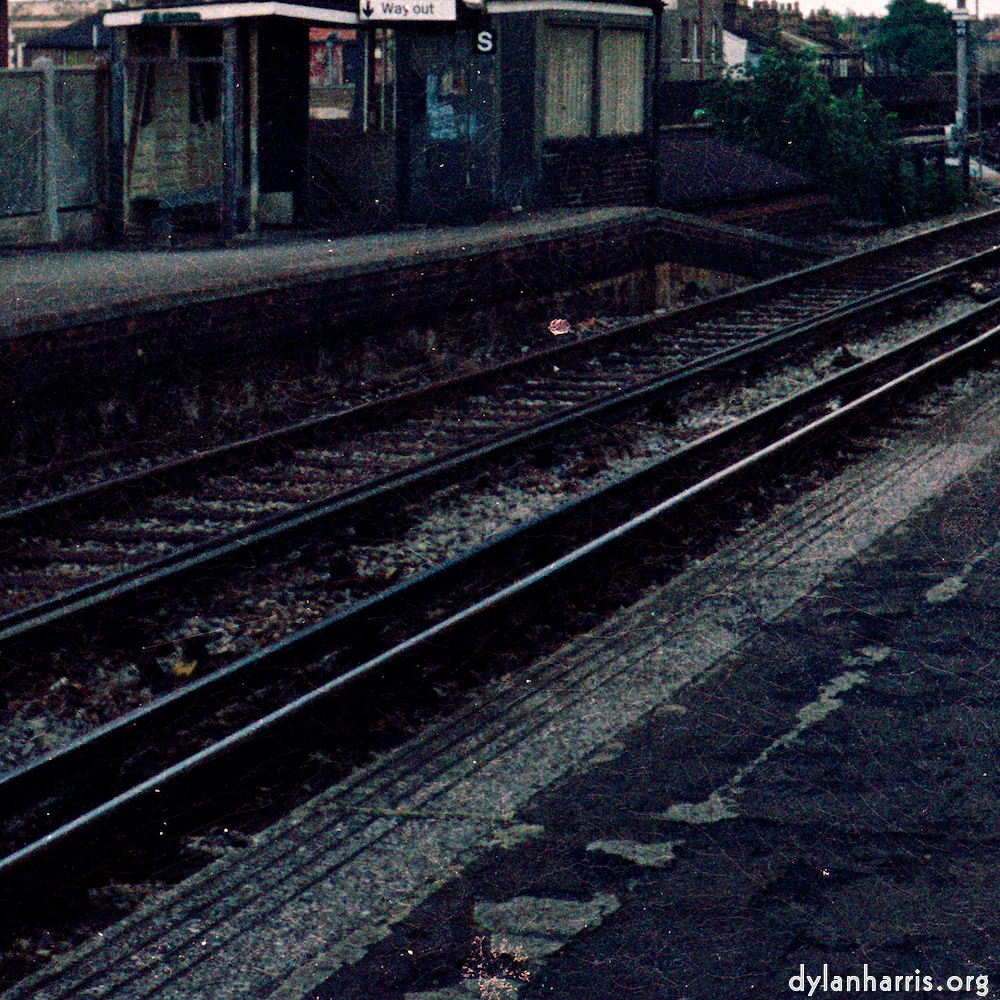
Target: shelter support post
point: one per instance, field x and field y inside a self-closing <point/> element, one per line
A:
<point x="116" y="140"/>
<point x="50" y="159"/>
<point x="230" y="130"/>
<point x="253" y="114"/>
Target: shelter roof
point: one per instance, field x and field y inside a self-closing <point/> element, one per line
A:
<point x="333" y="11"/>
<point x="180" y="12"/>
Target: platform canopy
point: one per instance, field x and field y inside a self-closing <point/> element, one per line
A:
<point x="170" y="13"/>
<point x="176" y="12"/>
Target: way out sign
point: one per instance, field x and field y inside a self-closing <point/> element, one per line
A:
<point x="406" y="10"/>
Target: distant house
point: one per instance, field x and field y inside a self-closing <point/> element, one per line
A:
<point x="987" y="51"/>
<point x="752" y="29"/>
<point x="832" y="58"/>
<point x="693" y="44"/>
<point x="31" y="20"/>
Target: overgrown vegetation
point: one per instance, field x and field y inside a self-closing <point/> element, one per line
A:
<point x="784" y="109"/>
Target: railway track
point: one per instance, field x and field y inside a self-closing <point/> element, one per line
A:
<point x="557" y="561"/>
<point x="187" y="617"/>
<point x="68" y="548"/>
<point x="201" y="641"/>
<point x="26" y="481"/>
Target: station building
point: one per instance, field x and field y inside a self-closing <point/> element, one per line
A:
<point x="281" y="113"/>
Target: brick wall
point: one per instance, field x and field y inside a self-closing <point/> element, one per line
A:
<point x="361" y="325"/>
<point x="464" y="306"/>
<point x="602" y="172"/>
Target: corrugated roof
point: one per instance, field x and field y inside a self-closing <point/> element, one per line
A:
<point x="78" y="35"/>
<point x="702" y="170"/>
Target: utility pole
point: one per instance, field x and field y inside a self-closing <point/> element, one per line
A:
<point x="960" y="20"/>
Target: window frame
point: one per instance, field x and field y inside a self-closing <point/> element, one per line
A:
<point x="373" y="89"/>
<point x="597" y="29"/>
<point x="692" y="40"/>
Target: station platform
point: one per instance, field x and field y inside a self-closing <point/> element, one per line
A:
<point x="90" y="333"/>
<point x="48" y="289"/>
<point x="777" y="775"/>
<point x="42" y="287"/>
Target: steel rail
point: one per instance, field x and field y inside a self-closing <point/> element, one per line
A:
<point x="364" y="502"/>
<point x="570" y="567"/>
<point x="20" y="519"/>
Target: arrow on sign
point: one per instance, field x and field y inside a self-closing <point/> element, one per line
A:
<point x="368" y="10"/>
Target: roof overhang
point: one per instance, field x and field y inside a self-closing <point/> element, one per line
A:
<point x="195" y="13"/>
<point x="226" y="12"/>
<point x="569" y="6"/>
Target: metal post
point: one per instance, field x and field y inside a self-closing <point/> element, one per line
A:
<point x="368" y="77"/>
<point x="253" y="113"/>
<point x="655" y="105"/>
<point x="960" y="20"/>
<point x="50" y="163"/>
<point x="4" y="35"/>
<point x="979" y="111"/>
<point x="116" y="138"/>
<point x="230" y="130"/>
<point x="409" y="98"/>
<point x="942" y="175"/>
<point x="962" y="71"/>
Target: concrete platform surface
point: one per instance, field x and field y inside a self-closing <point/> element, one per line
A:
<point x="42" y="287"/>
<point x="779" y="769"/>
<point x="43" y="290"/>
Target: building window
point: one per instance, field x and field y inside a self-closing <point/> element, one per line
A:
<point x="569" y="82"/>
<point x="623" y="82"/>
<point x="584" y="65"/>
<point x="691" y="40"/>
<point x="352" y="76"/>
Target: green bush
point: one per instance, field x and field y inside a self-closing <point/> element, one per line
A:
<point x="783" y="109"/>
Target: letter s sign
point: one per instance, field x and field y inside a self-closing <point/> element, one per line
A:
<point x="485" y="42"/>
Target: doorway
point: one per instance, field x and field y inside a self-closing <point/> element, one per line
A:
<point x="449" y="150"/>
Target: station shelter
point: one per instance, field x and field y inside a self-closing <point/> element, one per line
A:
<point x="287" y="114"/>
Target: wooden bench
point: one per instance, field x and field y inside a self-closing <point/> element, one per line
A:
<point x="158" y="210"/>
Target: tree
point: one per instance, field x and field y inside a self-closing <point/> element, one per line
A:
<point x="917" y="36"/>
<point x="785" y="110"/>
